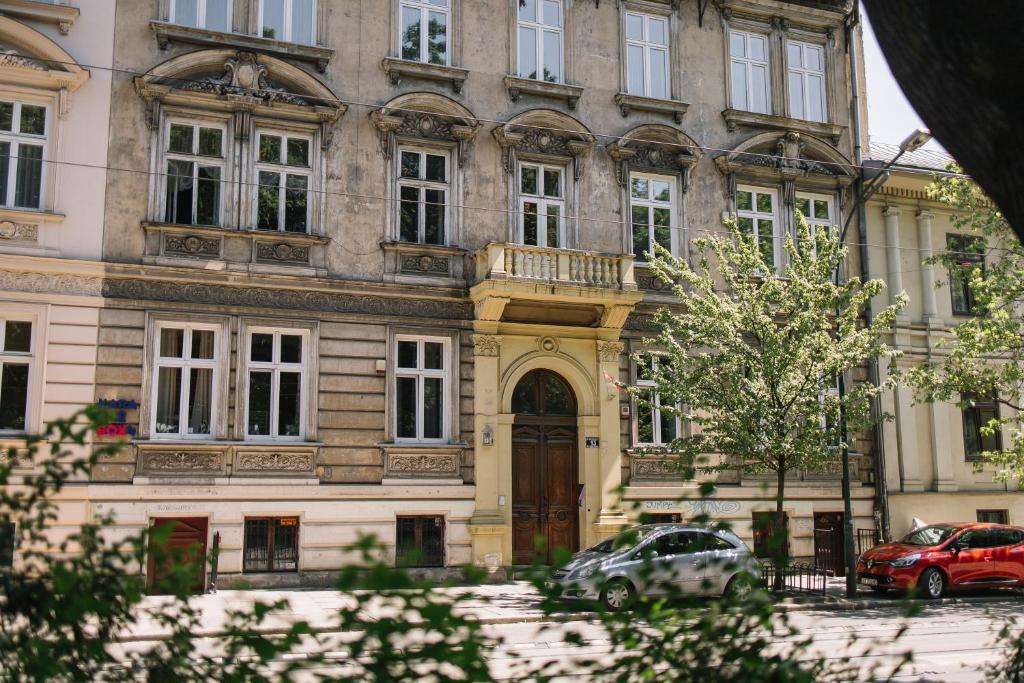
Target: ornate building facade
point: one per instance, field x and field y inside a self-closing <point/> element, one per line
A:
<point x="378" y="266"/>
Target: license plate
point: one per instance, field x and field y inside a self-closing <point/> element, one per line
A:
<point x="869" y="582"/>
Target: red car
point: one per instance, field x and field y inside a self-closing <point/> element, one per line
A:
<point x="942" y="556"/>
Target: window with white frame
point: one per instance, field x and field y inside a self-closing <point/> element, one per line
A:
<point x="194" y="154"/>
<point x="15" y="365"/>
<point x="806" y="66"/>
<point x="284" y="174"/>
<point x="654" y="426"/>
<point x="424" y="30"/>
<point x="276" y="372"/>
<point x="293" y="21"/>
<point x="214" y="15"/>
<point x="647" y="55"/>
<point x="540" y="33"/>
<point x="541" y="205"/>
<point x="756" y="215"/>
<point x="751" y="80"/>
<point x="23" y="132"/>
<point x="185" y="363"/>
<point x="817" y="211"/>
<point x="652" y="208"/>
<point x="422" y="375"/>
<point x="424" y="186"/>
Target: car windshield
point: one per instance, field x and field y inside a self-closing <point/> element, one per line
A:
<point x="627" y="540"/>
<point x="930" y="535"/>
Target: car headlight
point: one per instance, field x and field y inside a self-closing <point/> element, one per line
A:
<point x="585" y="572"/>
<point x="907" y="561"/>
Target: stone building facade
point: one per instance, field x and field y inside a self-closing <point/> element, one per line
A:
<point x="376" y="266"/>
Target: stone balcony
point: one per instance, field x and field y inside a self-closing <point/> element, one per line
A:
<point x="522" y="283"/>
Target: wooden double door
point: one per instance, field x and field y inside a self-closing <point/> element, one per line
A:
<point x="184" y="544"/>
<point x="545" y="495"/>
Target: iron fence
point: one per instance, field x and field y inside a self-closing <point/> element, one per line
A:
<point x="866" y="539"/>
<point x="798" y="577"/>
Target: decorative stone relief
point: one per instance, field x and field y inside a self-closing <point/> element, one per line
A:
<point x="11" y="57"/>
<point x="181" y="461"/>
<point x="654" y="468"/>
<point x="424" y="263"/>
<point x="423" y="464"/>
<point x="423" y="125"/>
<point x="666" y="158"/>
<point x="192" y="245"/>
<point x="282" y="251"/>
<point x="547" y="345"/>
<point x="274" y="462"/>
<point x="789" y="153"/>
<point x="609" y="351"/>
<point x="244" y="75"/>
<point x="640" y="321"/>
<point x="486" y="345"/>
<point x="652" y="283"/>
<point x="542" y="141"/>
<point x="49" y="282"/>
<point x="18" y="232"/>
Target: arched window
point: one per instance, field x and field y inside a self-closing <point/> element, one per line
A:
<point x="542" y="393"/>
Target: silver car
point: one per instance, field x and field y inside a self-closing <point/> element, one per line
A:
<point x="655" y="558"/>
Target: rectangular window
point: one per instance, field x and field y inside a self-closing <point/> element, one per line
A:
<point x="292" y="21"/>
<point x="423" y="191"/>
<point x="15" y="362"/>
<point x="421" y="388"/>
<point x="7" y="544"/>
<point x="994" y="516"/>
<point x="23" y="130"/>
<point x="429" y="45"/>
<point x="651" y="206"/>
<point x="284" y="172"/>
<point x="654" y="427"/>
<point x="185" y="364"/>
<point x="751" y="82"/>
<point x="214" y="15"/>
<point x="770" y="540"/>
<point x="419" y="541"/>
<point x="540" y="40"/>
<point x="817" y="211"/>
<point x="977" y="415"/>
<point x="541" y="205"/>
<point x="276" y="366"/>
<point x="647" y="55"/>
<point x="806" y="65"/>
<point x="755" y="216"/>
<point x="271" y="544"/>
<point x="967" y="253"/>
<point x="195" y="169"/>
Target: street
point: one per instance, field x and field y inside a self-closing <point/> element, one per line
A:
<point x="950" y="641"/>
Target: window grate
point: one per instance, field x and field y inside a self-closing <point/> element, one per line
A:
<point x="419" y="541"/>
<point x="271" y="545"/>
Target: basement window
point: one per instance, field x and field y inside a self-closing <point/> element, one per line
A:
<point x="271" y="544"/>
<point x="419" y="541"/>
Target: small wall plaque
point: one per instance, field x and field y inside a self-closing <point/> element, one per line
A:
<point x="592" y="442"/>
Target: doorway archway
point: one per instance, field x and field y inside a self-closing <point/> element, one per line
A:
<point x="545" y="468"/>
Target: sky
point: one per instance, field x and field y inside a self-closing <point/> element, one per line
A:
<point x="890" y="116"/>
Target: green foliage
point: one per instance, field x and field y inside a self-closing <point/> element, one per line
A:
<point x="1010" y="669"/>
<point x="751" y="358"/>
<point x="985" y="356"/>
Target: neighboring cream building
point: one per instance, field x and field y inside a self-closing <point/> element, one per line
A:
<point x="929" y="471"/>
<point x="362" y="277"/>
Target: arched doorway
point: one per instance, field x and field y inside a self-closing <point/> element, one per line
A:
<point x="545" y="468"/>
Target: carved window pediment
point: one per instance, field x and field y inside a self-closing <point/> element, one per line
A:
<point x="788" y="156"/>
<point x="544" y="134"/>
<point x="425" y="116"/>
<point x="653" y="148"/>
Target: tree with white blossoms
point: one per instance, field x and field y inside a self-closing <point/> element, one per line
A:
<point x="985" y="356"/>
<point x="750" y="356"/>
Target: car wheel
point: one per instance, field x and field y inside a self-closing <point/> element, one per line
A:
<point x="932" y="584"/>
<point x="738" y="588"/>
<point x="617" y="595"/>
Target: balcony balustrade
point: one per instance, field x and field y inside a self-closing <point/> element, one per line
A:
<point x="500" y="261"/>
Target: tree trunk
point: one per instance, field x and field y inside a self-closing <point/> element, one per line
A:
<point x="779" y="540"/>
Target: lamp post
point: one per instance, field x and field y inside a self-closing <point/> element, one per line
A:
<point x="865" y="190"/>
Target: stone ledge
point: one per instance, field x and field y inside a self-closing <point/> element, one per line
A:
<point x="517" y="87"/>
<point x="166" y="33"/>
<point x="674" y="108"/>
<point x="422" y="463"/>
<point x="397" y="69"/>
<point x="60" y="14"/>
<point x="736" y="117"/>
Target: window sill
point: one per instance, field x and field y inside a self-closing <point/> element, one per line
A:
<point x="518" y="87"/>
<point x="397" y="69"/>
<point x="61" y="15"/>
<point x="233" y="461"/>
<point x="206" y="243"/>
<point x="674" y="108"/>
<point x="736" y="117"/>
<point x="166" y="33"/>
<point x="432" y="263"/>
<point x="15" y="215"/>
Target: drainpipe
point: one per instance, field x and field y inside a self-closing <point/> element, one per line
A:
<point x="881" y="493"/>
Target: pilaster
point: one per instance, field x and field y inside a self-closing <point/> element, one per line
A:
<point x="892" y="252"/>
<point x="924" y="243"/>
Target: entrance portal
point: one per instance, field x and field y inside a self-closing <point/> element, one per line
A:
<point x="545" y="469"/>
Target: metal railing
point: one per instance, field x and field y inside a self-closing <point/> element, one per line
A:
<point x="499" y="260"/>
<point x="866" y="539"/>
<point x="798" y="577"/>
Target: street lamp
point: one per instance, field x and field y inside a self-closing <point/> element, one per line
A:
<point x="865" y="190"/>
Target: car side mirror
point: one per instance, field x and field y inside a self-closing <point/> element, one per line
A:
<point x="654" y="553"/>
<point x="958" y="547"/>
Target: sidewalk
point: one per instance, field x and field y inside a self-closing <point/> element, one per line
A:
<point x="509" y="603"/>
